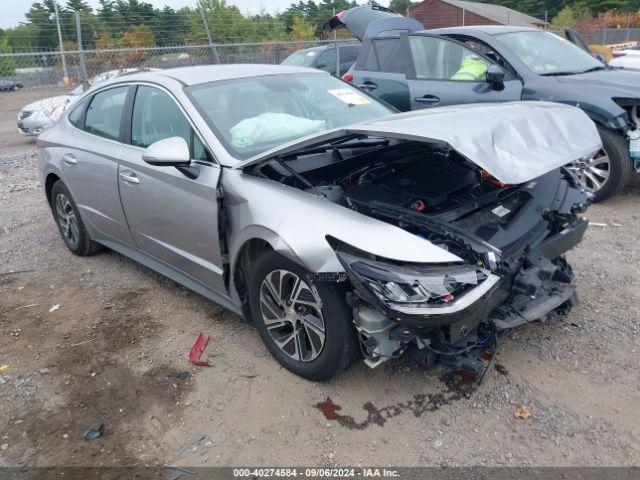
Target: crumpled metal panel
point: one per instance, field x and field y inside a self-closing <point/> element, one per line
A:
<point x="515" y="142"/>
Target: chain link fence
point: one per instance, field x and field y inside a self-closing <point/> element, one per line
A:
<point x="41" y="69"/>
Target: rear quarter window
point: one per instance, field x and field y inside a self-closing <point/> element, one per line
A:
<point x="104" y="114"/>
<point x="75" y="116"/>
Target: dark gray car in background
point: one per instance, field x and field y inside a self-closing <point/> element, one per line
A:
<point x="412" y="68"/>
<point x="324" y="58"/>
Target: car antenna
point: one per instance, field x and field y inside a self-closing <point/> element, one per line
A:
<point x="307" y="183"/>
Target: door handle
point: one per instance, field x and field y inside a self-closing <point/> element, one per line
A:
<point x="130" y="177"/>
<point x="368" y="86"/>
<point x="427" y="100"/>
<point x="69" y="159"/>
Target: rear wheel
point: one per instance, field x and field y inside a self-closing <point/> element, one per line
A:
<point x="609" y="170"/>
<point x="70" y="225"/>
<point x="308" y="328"/>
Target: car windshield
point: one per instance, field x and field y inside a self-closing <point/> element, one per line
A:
<point x="301" y="59"/>
<point x="253" y="115"/>
<point x="547" y="54"/>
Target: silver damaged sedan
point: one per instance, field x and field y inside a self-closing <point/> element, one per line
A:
<point x="338" y="227"/>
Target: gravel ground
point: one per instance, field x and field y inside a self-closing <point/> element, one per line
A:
<point x="115" y="353"/>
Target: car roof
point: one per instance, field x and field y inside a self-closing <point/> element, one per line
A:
<point x="488" y="29"/>
<point x="313" y="49"/>
<point x="327" y="47"/>
<point x="213" y="73"/>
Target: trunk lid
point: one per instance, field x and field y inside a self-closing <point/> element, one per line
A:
<point x="368" y="21"/>
<point x="515" y="142"/>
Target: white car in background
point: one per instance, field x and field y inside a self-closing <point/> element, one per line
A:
<point x="627" y="58"/>
<point x="34" y="118"/>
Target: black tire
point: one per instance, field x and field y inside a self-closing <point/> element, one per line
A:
<point x="78" y="242"/>
<point x="616" y="147"/>
<point x="340" y="347"/>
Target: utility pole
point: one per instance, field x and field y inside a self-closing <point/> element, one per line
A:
<point x="463" y="19"/>
<point x="604" y="30"/>
<point x="628" y="26"/>
<point x="214" y="51"/>
<point x="546" y="16"/>
<point x="65" y="73"/>
<point x="83" y="67"/>
<point x="335" y="44"/>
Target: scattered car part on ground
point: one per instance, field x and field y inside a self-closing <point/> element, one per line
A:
<point x="93" y="433"/>
<point x="432" y="230"/>
<point x="202" y="340"/>
<point x="324" y="58"/>
<point x="412" y="68"/>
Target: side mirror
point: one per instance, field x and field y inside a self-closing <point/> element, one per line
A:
<point x="169" y="152"/>
<point x="495" y="77"/>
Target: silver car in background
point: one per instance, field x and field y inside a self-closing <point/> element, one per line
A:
<point x="340" y="228"/>
<point x="35" y="117"/>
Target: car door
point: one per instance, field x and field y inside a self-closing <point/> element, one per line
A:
<point x="90" y="163"/>
<point x="173" y="218"/>
<point x="381" y="71"/>
<point x="443" y="71"/>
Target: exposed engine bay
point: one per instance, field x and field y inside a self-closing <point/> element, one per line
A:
<point x="511" y="239"/>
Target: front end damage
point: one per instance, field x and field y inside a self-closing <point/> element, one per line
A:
<point x="495" y="207"/>
<point x="515" y="272"/>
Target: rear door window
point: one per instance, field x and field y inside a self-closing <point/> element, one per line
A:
<point x="386" y="55"/>
<point x="104" y="114"/>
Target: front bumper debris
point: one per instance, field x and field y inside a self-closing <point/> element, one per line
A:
<point x="534" y="281"/>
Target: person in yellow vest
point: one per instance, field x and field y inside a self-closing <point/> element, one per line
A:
<point x="472" y="68"/>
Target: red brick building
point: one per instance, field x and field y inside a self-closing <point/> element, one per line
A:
<point x="454" y="13"/>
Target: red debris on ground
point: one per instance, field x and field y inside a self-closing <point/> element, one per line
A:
<point x="330" y="410"/>
<point x="198" y="348"/>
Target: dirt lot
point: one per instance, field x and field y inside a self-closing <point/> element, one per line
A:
<point x="115" y="353"/>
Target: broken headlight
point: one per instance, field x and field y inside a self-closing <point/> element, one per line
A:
<point x="417" y="288"/>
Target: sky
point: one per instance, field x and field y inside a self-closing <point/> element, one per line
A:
<point x="12" y="11"/>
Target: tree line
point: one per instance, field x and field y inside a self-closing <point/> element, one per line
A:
<point x="136" y="23"/>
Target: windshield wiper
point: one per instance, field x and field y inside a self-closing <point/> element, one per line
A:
<point x="595" y="69"/>
<point x="340" y="145"/>
<point x="558" y="74"/>
<point x="297" y="176"/>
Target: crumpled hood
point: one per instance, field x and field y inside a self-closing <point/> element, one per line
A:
<point x="620" y="83"/>
<point x="46" y="104"/>
<point x="515" y="142"/>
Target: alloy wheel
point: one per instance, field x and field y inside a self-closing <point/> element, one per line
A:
<point x="593" y="172"/>
<point x="292" y="313"/>
<point x="67" y="220"/>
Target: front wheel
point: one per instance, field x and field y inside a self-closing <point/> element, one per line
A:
<point x="307" y="327"/>
<point x="609" y="170"/>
